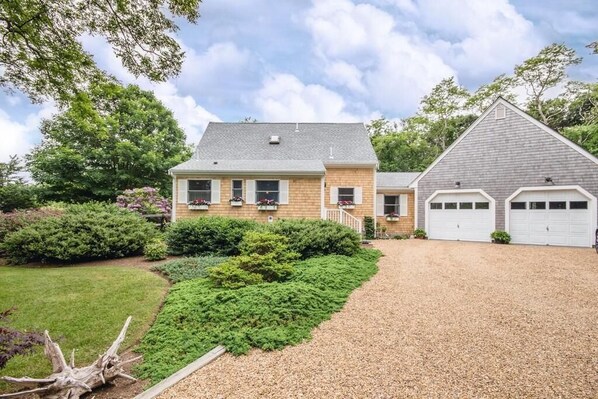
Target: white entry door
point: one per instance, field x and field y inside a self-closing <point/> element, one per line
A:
<point x="551" y="217"/>
<point x="466" y="216"/>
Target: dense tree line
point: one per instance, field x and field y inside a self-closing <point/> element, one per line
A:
<point x="413" y="143"/>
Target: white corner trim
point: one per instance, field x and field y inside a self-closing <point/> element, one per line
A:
<point x="375" y="214"/>
<point x="456" y="191"/>
<point x="416" y="208"/>
<point x="173" y="204"/>
<point x="521" y="113"/>
<point x="579" y="189"/>
<point x="322" y="196"/>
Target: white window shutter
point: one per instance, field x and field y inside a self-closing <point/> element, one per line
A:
<point x="333" y="195"/>
<point x="403" y="205"/>
<point x="358" y="195"/>
<point x="379" y="204"/>
<point x="182" y="192"/>
<point x="283" y="188"/>
<point x="250" y="191"/>
<point x="215" y="187"/>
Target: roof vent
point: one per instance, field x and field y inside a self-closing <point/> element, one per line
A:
<point x="500" y="112"/>
<point x="274" y="139"/>
<point x="297" y="127"/>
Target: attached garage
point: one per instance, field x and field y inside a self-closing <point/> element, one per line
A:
<point x="551" y="216"/>
<point x="466" y="215"/>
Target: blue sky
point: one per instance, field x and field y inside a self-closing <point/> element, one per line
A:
<point x="334" y="60"/>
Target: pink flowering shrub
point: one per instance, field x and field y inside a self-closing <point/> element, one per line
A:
<point x="145" y="200"/>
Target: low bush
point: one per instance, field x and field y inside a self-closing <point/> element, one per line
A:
<point x="401" y="236"/>
<point x="188" y="268"/>
<point x="155" y="250"/>
<point x="17" y="196"/>
<point x="265" y="257"/>
<point x="420" y="233"/>
<point x="80" y="235"/>
<point x="13" y="221"/>
<point x="317" y="237"/>
<point x="197" y="316"/>
<point x="211" y="235"/>
<point x="500" y="237"/>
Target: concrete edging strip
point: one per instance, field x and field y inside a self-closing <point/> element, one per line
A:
<point x="182" y="373"/>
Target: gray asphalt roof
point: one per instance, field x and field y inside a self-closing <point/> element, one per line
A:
<point x="395" y="179"/>
<point x="250" y="141"/>
<point x="251" y="166"/>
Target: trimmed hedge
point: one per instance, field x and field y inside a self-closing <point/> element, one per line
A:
<point x="80" y="234"/>
<point x="211" y="235"/>
<point x="14" y="221"/>
<point x="312" y="238"/>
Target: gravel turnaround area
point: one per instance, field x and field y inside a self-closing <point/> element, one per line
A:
<point x="440" y="319"/>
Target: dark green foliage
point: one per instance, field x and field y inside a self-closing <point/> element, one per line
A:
<point x="109" y="139"/>
<point x="317" y="237"/>
<point x="197" y="316"/>
<point x="420" y="233"/>
<point x="17" y="196"/>
<point x="155" y="250"/>
<point x="401" y="236"/>
<point x="13" y="221"/>
<point x="500" y="237"/>
<point x="80" y="236"/>
<point x="369" y="227"/>
<point x="211" y="235"/>
<point x="188" y="268"/>
<point x="265" y="257"/>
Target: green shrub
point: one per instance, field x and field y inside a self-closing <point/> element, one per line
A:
<point x="155" y="250"/>
<point x="13" y="221"/>
<point x="17" y="196"/>
<point x="188" y="268"/>
<point x="500" y="237"/>
<point x="401" y="236"/>
<point x="79" y="236"/>
<point x="265" y="257"/>
<point x="369" y="227"/>
<point x="197" y="316"/>
<point x="211" y="235"/>
<point x="419" y="233"/>
<point x="317" y="237"/>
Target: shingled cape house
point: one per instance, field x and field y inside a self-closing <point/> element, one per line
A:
<point x="507" y="171"/>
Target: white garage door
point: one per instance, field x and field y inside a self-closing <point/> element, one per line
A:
<point x="466" y="216"/>
<point x="554" y="217"/>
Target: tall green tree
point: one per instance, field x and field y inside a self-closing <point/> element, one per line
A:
<point x="110" y="139"/>
<point x="544" y="71"/>
<point x="42" y="54"/>
<point x="486" y="94"/>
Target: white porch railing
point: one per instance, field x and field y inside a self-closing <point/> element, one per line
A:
<point x="343" y="217"/>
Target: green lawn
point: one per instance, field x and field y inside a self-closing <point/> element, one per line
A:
<point x="82" y="307"/>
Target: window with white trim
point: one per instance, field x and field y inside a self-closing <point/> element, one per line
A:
<point x="199" y="190"/>
<point x="578" y="204"/>
<point x="392" y="204"/>
<point x="482" y="205"/>
<point x="346" y="194"/>
<point x="237" y="188"/>
<point x="435" y="205"/>
<point x="267" y="189"/>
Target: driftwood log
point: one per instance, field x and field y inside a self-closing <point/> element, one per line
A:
<point x="69" y="382"/>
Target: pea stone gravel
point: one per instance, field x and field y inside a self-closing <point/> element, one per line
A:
<point x="440" y="319"/>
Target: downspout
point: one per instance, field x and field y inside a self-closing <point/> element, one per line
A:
<point x="174" y="199"/>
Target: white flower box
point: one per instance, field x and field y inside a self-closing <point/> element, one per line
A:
<point x="236" y="203"/>
<point x="198" y="207"/>
<point x="392" y="218"/>
<point x="267" y="207"/>
<point x="347" y="206"/>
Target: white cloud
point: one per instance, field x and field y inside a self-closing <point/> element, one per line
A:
<point x="477" y="37"/>
<point x="398" y="69"/>
<point x="284" y="98"/>
<point x="345" y="74"/>
<point x="19" y="138"/>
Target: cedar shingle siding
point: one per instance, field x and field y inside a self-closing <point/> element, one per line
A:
<point x="501" y="155"/>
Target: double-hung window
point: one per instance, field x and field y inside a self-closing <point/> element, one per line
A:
<point x="237" y="189"/>
<point x="199" y="190"/>
<point x="346" y="194"/>
<point x="267" y="189"/>
<point x="392" y="204"/>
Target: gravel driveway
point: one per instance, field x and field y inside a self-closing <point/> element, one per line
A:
<point x="440" y="319"/>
